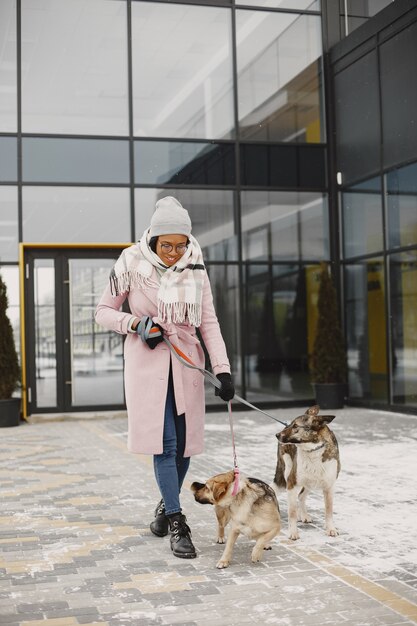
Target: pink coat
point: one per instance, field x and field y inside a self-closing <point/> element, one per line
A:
<point x="146" y="370"/>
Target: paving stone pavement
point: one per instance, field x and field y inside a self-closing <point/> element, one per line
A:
<point x="75" y="545"/>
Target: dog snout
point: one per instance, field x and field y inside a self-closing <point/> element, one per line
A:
<point x="197" y="486"/>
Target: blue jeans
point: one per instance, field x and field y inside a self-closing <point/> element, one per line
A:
<point x="171" y="467"/>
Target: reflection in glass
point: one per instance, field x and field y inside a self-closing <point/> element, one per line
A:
<point x="8" y="66"/>
<point x="10" y="275"/>
<point x="402" y="206"/>
<point x="74" y="67"/>
<point x="362" y="218"/>
<point x="76" y="214"/>
<point x="359" y="12"/>
<point x="224" y="280"/>
<point x="403" y="279"/>
<point x="280" y="301"/>
<point x="308" y="5"/>
<point x="365" y="330"/>
<point x="174" y="162"/>
<point x="283" y="225"/>
<point x="182" y="71"/>
<point x="96" y="353"/>
<point x="8" y="224"/>
<point x="279" y="76"/>
<point x="75" y="160"/>
<point x="45" y="333"/>
<point x="211" y="212"/>
<point x="8" y="159"/>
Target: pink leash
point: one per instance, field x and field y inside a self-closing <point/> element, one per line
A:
<point x="235" y="468"/>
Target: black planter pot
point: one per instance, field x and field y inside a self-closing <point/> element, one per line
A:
<point x="9" y="412"/>
<point x="330" y="395"/>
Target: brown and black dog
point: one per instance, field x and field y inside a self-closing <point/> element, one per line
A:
<point x="308" y="458"/>
<point x="253" y="511"/>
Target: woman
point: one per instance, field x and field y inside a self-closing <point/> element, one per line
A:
<point x="164" y="278"/>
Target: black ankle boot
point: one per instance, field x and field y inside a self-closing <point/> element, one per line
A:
<point x="159" y="526"/>
<point x="181" y="544"/>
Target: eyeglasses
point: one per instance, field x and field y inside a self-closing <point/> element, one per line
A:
<point x="180" y="249"/>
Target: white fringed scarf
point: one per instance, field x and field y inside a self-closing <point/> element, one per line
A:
<point x="180" y="290"/>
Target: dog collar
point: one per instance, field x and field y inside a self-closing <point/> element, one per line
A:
<point x="318" y="448"/>
<point x="236" y="482"/>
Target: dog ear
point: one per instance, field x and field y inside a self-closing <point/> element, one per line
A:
<point x="218" y="490"/>
<point x="196" y="486"/>
<point x="327" y="418"/>
<point x="313" y="410"/>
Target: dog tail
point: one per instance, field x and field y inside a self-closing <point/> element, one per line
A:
<point x="279" y="483"/>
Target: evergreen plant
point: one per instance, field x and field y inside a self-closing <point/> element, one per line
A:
<point x="328" y="361"/>
<point x="9" y="364"/>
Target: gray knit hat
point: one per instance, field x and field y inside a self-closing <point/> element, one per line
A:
<point x="170" y="218"/>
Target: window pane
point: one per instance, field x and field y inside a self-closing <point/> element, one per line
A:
<point x="399" y="96"/>
<point x="9" y="233"/>
<point x="182" y="71"/>
<point x="74" y="67"/>
<point x="8" y="67"/>
<point x="366" y="330"/>
<point x="362" y="218"/>
<point x="403" y="278"/>
<point x="96" y="353"/>
<point x="402" y="206"/>
<point x="358" y="119"/>
<point x="45" y="332"/>
<point x="224" y="280"/>
<point x="281" y="319"/>
<point x="74" y="214"/>
<point x="8" y="159"/>
<point x="75" y="160"/>
<point x="211" y="212"/>
<point x="10" y="275"/>
<point x="310" y="5"/>
<point x="278" y="61"/>
<point x="165" y="162"/>
<point x="284" y="225"/>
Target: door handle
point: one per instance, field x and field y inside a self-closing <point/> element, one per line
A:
<point x="68" y="382"/>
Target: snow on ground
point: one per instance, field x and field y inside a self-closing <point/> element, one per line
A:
<point x="375" y="505"/>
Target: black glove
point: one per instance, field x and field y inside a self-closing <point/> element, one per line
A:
<point x="146" y="327"/>
<point x="227" y="390"/>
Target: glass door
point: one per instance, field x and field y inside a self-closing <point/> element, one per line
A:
<point x="72" y="363"/>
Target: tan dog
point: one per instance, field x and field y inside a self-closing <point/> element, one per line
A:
<point x="308" y="458"/>
<point x="253" y="511"/>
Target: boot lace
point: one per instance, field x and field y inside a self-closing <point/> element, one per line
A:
<point x="180" y="528"/>
<point x="160" y="509"/>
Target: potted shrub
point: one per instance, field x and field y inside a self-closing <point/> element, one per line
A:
<point x="9" y="366"/>
<point x="328" y="360"/>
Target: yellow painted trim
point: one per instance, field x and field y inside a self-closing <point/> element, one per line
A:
<point x="47" y="246"/>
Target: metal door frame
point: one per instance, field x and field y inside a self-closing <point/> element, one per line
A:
<point x="61" y="252"/>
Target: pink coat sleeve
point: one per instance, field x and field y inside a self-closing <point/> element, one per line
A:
<point x="211" y="334"/>
<point x="108" y="314"/>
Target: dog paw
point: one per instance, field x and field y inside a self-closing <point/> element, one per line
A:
<point x="305" y="519"/>
<point x="332" y="532"/>
<point x="221" y="540"/>
<point x="256" y="557"/>
<point x="294" y="536"/>
<point x="267" y="547"/>
<point x="222" y="564"/>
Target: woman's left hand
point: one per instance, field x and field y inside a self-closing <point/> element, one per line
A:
<point x="227" y="390"/>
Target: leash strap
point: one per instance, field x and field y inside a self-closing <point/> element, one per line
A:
<point x="144" y="330"/>
<point x="235" y="465"/>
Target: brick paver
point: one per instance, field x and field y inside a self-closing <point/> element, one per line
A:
<point x="75" y="545"/>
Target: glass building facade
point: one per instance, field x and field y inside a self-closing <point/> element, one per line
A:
<point x="108" y="105"/>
